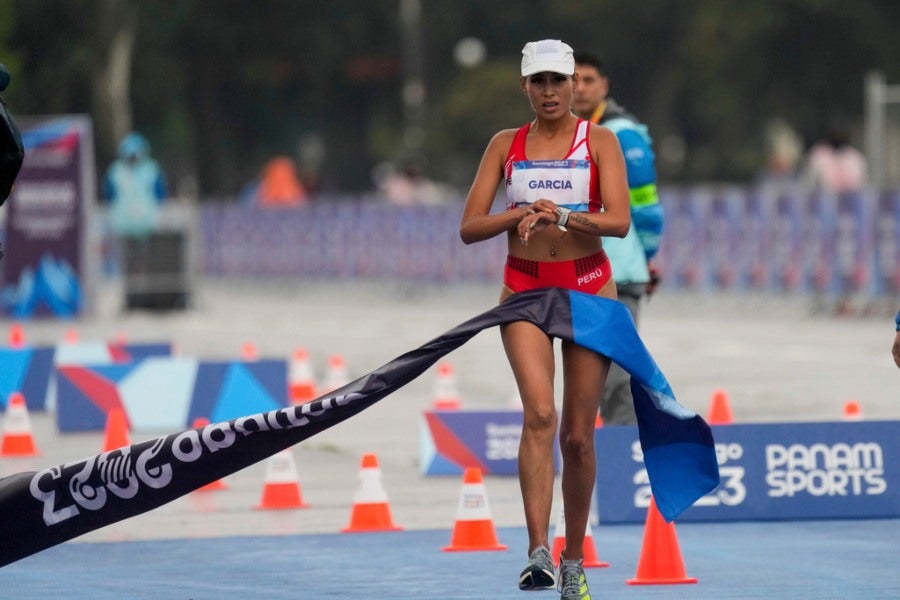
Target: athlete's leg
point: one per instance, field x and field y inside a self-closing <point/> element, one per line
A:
<point x="530" y="354"/>
<point x="584" y="374"/>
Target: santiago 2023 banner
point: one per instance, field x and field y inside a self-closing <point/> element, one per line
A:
<point x="44" y="270"/>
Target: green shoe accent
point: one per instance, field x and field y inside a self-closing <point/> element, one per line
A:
<point x="572" y="582"/>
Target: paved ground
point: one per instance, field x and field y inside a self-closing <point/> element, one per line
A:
<point x="837" y="560"/>
<point x="776" y="360"/>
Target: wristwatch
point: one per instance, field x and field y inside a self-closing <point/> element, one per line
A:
<point x="563" y="217"/>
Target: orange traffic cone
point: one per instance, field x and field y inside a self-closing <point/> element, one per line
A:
<point x="660" y="561"/>
<point x="337" y="374"/>
<point x="590" y="551"/>
<point x="445" y="396"/>
<point x="17" y="437"/>
<point x="16" y="336"/>
<point x="249" y="352"/>
<point x="474" y="528"/>
<point x="116" y="434"/>
<point x="218" y="484"/>
<point x="282" y="487"/>
<point x="301" y="380"/>
<point x="371" y="511"/>
<point x="719" y="409"/>
<point x="852" y="411"/>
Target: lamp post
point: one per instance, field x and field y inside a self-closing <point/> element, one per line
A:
<point x="413" y="82"/>
<point x="878" y="96"/>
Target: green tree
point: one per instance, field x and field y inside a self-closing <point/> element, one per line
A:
<point x="221" y="87"/>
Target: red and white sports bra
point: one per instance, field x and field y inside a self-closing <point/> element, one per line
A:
<point x="572" y="182"/>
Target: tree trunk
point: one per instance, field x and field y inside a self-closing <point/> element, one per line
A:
<point x="117" y="22"/>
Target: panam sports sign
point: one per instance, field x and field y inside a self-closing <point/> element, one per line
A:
<point x="769" y="471"/>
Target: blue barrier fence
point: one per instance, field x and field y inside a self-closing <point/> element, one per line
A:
<point x="345" y="239"/>
<point x="740" y="240"/>
<point x="731" y="239"/>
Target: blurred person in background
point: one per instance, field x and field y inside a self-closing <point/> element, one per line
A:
<point x="135" y="187"/>
<point x="784" y="149"/>
<point x="630" y="256"/>
<point x="566" y="187"/>
<point x="407" y="185"/>
<point x="834" y="166"/>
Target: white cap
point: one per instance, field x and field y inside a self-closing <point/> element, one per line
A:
<point x="547" y="55"/>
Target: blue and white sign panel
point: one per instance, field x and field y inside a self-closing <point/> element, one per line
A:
<point x="769" y="471"/>
<point x="451" y="441"/>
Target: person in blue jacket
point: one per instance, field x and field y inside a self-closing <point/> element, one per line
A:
<point x="135" y="187"/>
<point x="630" y="256"/>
